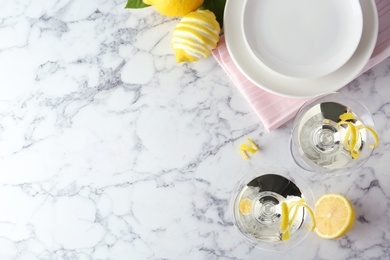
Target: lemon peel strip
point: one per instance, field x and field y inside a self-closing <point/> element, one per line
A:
<point x="347" y="116"/>
<point x="252" y="148"/>
<point x="355" y="132"/>
<point x="347" y="134"/>
<point x="284" y="223"/>
<point x="352" y="134"/>
<point x="372" y="131"/>
<point x="285" y="235"/>
<point x="286" y="214"/>
<point x="290" y="207"/>
<point x="303" y="204"/>
<point x="252" y="144"/>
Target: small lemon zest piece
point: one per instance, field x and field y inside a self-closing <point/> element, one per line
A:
<point x="247" y="148"/>
<point x="252" y="148"/>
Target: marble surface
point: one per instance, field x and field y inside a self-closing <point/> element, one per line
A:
<point x="109" y="149"/>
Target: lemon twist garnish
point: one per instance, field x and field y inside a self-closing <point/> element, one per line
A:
<point x="252" y="148"/>
<point x="304" y="205"/>
<point x="353" y="134"/>
<point x="351" y="137"/>
<point x="195" y="36"/>
<point x="290" y="206"/>
<point x="284" y="221"/>
<point x="347" y="116"/>
<point x="287" y="222"/>
<point x="372" y="131"/>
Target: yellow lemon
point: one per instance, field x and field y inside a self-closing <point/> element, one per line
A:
<point x="195" y="36"/>
<point x="174" y="7"/>
<point x="334" y="216"/>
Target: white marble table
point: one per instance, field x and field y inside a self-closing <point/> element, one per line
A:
<point x="109" y="149"/>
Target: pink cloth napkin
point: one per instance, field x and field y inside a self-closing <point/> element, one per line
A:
<point x="274" y="110"/>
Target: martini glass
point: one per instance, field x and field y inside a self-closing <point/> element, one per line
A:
<point x="320" y="142"/>
<point x="264" y="192"/>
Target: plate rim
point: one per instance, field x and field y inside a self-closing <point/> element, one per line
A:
<point x="301" y="88"/>
<point x="277" y="67"/>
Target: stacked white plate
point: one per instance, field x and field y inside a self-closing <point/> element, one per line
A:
<point x="300" y="48"/>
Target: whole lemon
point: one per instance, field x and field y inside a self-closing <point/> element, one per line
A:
<point x="195" y="36"/>
<point x="174" y="7"/>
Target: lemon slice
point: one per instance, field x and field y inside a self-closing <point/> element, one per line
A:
<point x="245" y="206"/>
<point x="334" y="216"/>
<point x="195" y="36"/>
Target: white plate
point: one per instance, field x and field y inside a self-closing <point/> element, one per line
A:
<point x="303" y="38"/>
<point x="284" y="86"/>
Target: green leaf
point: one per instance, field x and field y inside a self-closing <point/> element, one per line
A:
<point x="217" y="7"/>
<point x="135" y="4"/>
